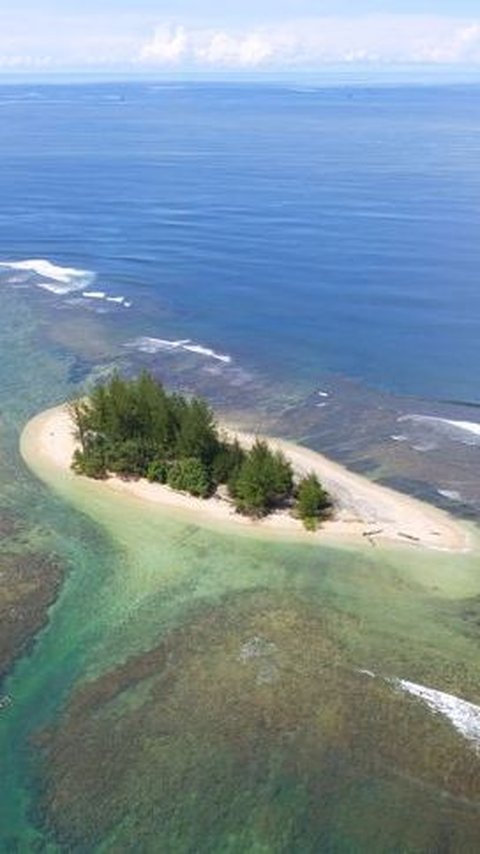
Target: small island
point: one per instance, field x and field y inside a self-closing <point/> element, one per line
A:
<point x="134" y="428"/>
<point x="363" y="513"/>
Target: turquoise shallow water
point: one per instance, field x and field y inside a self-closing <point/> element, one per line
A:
<point x="322" y="612"/>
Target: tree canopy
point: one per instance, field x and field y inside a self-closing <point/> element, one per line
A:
<point x="135" y="428"/>
<point x="313" y="502"/>
<point x="263" y="480"/>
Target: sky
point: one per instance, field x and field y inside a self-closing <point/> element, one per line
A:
<point x="256" y="36"/>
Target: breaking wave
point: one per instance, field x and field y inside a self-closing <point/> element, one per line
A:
<point x="152" y="346"/>
<point x="206" y="351"/>
<point x="451" y="494"/>
<point x="467" y="432"/>
<point x="464" y="716"/>
<point x="59" y="280"/>
<point x="52" y="277"/>
<point x="102" y="295"/>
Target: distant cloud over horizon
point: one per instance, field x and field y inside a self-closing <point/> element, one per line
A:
<point x="388" y="39"/>
<point x="130" y="42"/>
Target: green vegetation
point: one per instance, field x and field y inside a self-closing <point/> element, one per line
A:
<point x="189" y="475"/>
<point x="264" y="480"/>
<point x="134" y="428"/>
<point x="313" y="502"/>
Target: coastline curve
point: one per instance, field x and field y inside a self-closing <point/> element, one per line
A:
<point x="366" y="513"/>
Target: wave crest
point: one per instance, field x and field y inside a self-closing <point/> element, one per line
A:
<point x="151" y="346"/>
<point x="52" y="277"/>
<point x="467" y="432"/>
<point x="464" y="716"/>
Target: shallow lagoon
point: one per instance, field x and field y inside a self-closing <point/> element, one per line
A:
<point x="201" y="691"/>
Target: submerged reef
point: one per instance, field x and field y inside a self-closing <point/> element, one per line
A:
<point x="249" y="725"/>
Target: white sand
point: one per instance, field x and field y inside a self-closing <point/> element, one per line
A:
<point x="364" y="511"/>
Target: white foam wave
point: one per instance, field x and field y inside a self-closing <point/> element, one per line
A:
<point x="156" y="345"/>
<point x="151" y="346"/>
<point x="467" y="432"/>
<point x="469" y="426"/>
<point x="451" y="494"/>
<point x="52" y="277"/>
<point x="462" y="714"/>
<point x="94" y="294"/>
<point x="367" y="672"/>
<point x="206" y="351"/>
<point x="102" y="295"/>
<point x="424" y="447"/>
<point x="323" y="394"/>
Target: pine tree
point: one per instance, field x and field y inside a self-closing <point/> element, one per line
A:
<point x="264" y="479"/>
<point x="312" y="501"/>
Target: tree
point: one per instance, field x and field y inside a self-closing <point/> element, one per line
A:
<point x="90" y="462"/>
<point x="155" y="419"/>
<point x="227" y="461"/>
<point x="197" y="436"/>
<point x="189" y="475"/>
<point x="313" y="501"/>
<point x="264" y="479"/>
<point x="129" y="458"/>
<point x="78" y="412"/>
<point x="157" y="471"/>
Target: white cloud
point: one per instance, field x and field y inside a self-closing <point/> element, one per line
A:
<point x="246" y="51"/>
<point x="168" y="46"/>
<point x="124" y="41"/>
<point x="310" y="43"/>
<point x="386" y="39"/>
<point x="462" y="44"/>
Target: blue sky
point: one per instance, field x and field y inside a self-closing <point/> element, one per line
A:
<point x="248" y="36"/>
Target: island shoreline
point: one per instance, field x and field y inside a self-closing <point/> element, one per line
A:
<point x="365" y="513"/>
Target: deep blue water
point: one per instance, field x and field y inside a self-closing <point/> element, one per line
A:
<point x="297" y="231"/>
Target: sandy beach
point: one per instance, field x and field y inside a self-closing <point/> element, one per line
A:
<point x="365" y="512"/>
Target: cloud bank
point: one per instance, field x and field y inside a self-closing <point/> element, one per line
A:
<point x="380" y="39"/>
<point x="301" y="44"/>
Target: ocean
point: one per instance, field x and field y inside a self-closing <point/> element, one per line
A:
<point x="298" y="231"/>
<point x="308" y="259"/>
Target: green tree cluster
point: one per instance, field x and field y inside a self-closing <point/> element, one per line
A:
<point x="134" y="428"/>
<point x="313" y="502"/>
<point x="263" y="480"/>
